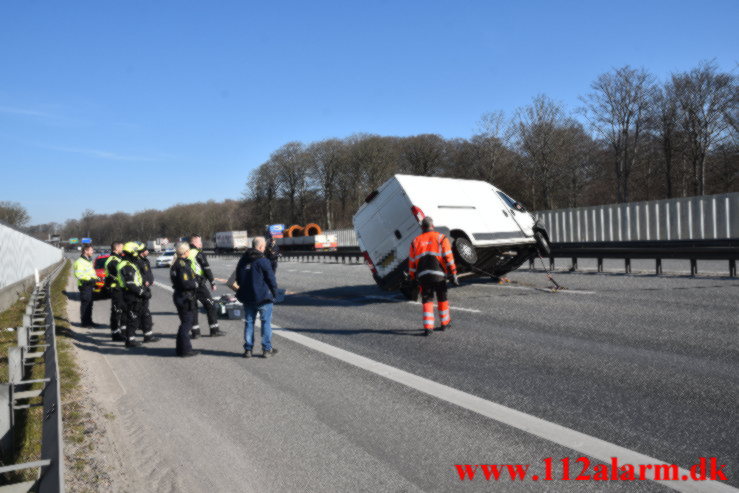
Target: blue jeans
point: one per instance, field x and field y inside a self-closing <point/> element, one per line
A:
<point x="250" y="317"/>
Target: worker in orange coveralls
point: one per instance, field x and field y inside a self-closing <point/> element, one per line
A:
<point x="431" y="262"/>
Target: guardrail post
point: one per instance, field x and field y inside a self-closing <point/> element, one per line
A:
<point x="732" y="268"/>
<point x="6" y="421"/>
<point x="693" y="267"/>
<point x="627" y="265"/>
<point x="15" y="364"/>
<point x="658" y="266"/>
<point x="573" y="268"/>
<point x="22" y="334"/>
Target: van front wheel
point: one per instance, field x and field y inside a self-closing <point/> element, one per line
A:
<point x="542" y="244"/>
<point x="465" y="252"/>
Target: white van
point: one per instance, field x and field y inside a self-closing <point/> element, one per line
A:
<point x="490" y="232"/>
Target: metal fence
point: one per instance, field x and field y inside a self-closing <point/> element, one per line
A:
<point x="36" y="343"/>
<point x="709" y="217"/>
<point x="344" y="237"/>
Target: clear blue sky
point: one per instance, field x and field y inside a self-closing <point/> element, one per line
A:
<point x="184" y="98"/>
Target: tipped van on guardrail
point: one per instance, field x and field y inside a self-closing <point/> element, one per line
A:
<point x="490" y="232"/>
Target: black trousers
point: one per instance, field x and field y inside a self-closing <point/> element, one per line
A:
<point x="429" y="289"/>
<point x="146" y="322"/>
<point x="187" y="309"/>
<point x="134" y="312"/>
<point x="86" y="304"/>
<point x="204" y="297"/>
<point x="117" y="310"/>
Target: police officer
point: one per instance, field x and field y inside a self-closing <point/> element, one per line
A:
<point x="147" y="325"/>
<point x="185" y="285"/>
<point x="86" y="279"/>
<point x="117" y="305"/>
<point x="272" y="252"/>
<point x="206" y="283"/>
<point x="430" y="262"/>
<point x="129" y="277"/>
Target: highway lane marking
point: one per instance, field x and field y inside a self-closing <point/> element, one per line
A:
<point x="164" y="286"/>
<point x="389" y="298"/>
<point x="105" y="358"/>
<point x="566" y="437"/>
<point x="529" y="288"/>
<point x="561" y="435"/>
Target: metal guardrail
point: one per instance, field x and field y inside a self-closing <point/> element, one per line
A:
<point x="692" y="250"/>
<point x="38" y="323"/>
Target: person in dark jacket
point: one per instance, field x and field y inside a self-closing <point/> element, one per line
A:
<point x="117" y="305"/>
<point x="256" y="287"/>
<point x="272" y="253"/>
<point x="206" y="284"/>
<point x="185" y="285"/>
<point x="147" y="325"/>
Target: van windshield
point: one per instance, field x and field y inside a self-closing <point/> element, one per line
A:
<point x="510" y="202"/>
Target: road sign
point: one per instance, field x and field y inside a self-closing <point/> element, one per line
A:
<point x="86" y="241"/>
<point x="74" y="241"/>
<point x="276" y="230"/>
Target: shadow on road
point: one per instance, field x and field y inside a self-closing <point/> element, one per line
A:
<point x="101" y="343"/>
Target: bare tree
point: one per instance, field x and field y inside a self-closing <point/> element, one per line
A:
<point x="14" y="214"/>
<point x="544" y="136"/>
<point x="292" y="173"/>
<point x="423" y="154"/>
<point x="262" y="189"/>
<point x="325" y="158"/>
<point x="492" y="142"/>
<point x="664" y="122"/>
<point x="706" y="99"/>
<point x="617" y="111"/>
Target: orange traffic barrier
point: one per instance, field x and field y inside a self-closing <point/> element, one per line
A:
<point x="294" y="230"/>
<point x="312" y="229"/>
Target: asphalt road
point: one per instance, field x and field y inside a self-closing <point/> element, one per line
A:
<point x="642" y="362"/>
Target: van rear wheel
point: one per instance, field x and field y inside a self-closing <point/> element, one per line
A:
<point x="465" y="252"/>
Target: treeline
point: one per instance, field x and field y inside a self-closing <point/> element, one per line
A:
<point x="632" y="139"/>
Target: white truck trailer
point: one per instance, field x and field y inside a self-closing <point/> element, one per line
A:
<point x="489" y="231"/>
<point x="231" y="241"/>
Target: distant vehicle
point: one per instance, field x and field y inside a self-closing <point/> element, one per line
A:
<point x="166" y="259"/>
<point x="231" y="241"/>
<point x="100" y="290"/>
<point x="157" y="245"/>
<point x="490" y="232"/>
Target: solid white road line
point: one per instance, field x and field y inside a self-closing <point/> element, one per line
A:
<point x="164" y="286"/>
<point x="580" y="442"/>
<point x="390" y="298"/>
